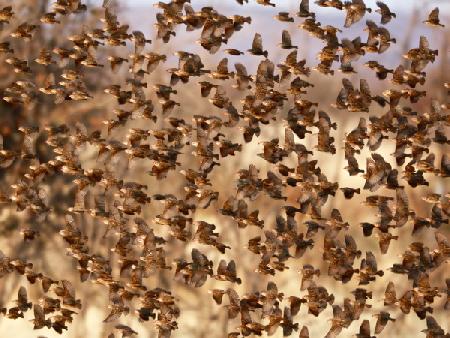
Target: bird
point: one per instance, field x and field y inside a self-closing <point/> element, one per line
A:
<point x="433" y="18"/>
<point x="385" y="12"/>
<point x="286" y="40"/>
<point x="257" y="48"/>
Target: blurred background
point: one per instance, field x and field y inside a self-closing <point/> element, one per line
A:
<point x="200" y="316"/>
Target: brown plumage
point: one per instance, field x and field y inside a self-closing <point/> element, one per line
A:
<point x="257" y="48"/>
<point x="433" y="18"/>
<point x="385" y="12"/>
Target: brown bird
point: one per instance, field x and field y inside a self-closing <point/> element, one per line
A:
<point x="227" y="272"/>
<point x="284" y="17"/>
<point x="304" y="10"/>
<point x="49" y="18"/>
<point x="222" y="72"/>
<point x="350" y="192"/>
<point x="39" y="320"/>
<point x="116" y="61"/>
<point x="45" y="57"/>
<point x="24" y="31"/>
<point x="265" y="3"/>
<point x="364" y="330"/>
<point x="22" y="300"/>
<point x="390" y="296"/>
<point x="433" y="328"/>
<point x="233" y="51"/>
<point x="286" y="40"/>
<point x="139" y="41"/>
<point x="356" y="9"/>
<point x="338" y="4"/>
<point x="5" y="48"/>
<point x="257" y="48"/>
<point x="125" y="330"/>
<point x="385" y="12"/>
<point x="206" y="87"/>
<point x="6" y="14"/>
<point x="380" y="70"/>
<point x="383" y="318"/>
<point x="433" y="18"/>
<point x="304" y="332"/>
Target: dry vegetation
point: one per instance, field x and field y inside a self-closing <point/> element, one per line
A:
<point x="155" y="186"/>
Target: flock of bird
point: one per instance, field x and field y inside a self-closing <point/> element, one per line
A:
<point x="118" y="204"/>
